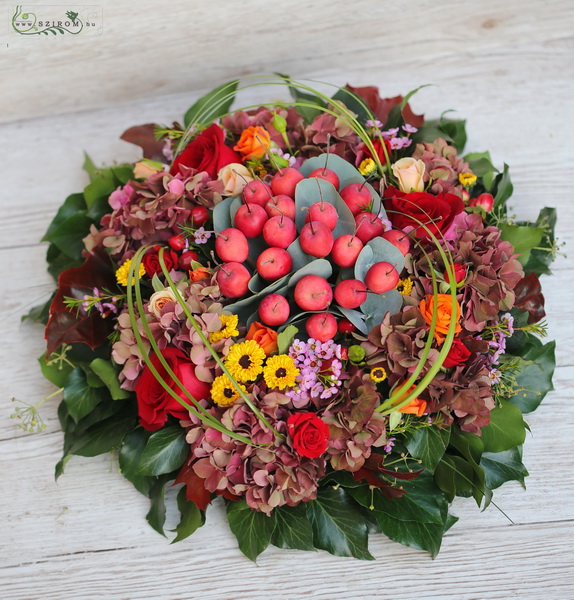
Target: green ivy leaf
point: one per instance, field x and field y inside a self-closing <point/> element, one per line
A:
<point x="129" y="459"/>
<point x="309" y="113"/>
<point x="500" y="467"/>
<point x="338" y="525"/>
<point x="502" y="187"/>
<point x="53" y="373"/>
<point x="101" y="186"/>
<point x="429" y="445"/>
<point x="103" y="437"/>
<point x="156" y="515"/>
<point x="191" y="517"/>
<point x="253" y="529"/>
<point x="214" y="105"/>
<point x="523" y="237"/>
<point x="292" y="528"/>
<point x="68" y="235"/>
<point x="506" y="428"/>
<point x="79" y="397"/>
<point x="107" y="373"/>
<point x="470" y="446"/>
<point x="535" y="378"/>
<point x="540" y="260"/>
<point x="165" y="451"/>
<point x="354" y="103"/>
<point x="480" y="163"/>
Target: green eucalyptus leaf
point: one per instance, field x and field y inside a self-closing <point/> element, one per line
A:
<point x="344" y="170"/>
<point x="319" y="266"/>
<point x="191" y="517"/>
<point x="253" y="529"/>
<point x="300" y="258"/>
<point x="338" y="525"/>
<point x="285" y="339"/>
<point x="500" y="467"/>
<point x="221" y="214"/>
<point x="356" y="318"/>
<point x="214" y="105"/>
<point x="375" y="307"/>
<point x="429" y="445"/>
<point x="506" y="428"/>
<point x="165" y="451"/>
<point x="292" y="528"/>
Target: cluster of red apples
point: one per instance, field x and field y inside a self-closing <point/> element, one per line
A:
<point x="269" y="210"/>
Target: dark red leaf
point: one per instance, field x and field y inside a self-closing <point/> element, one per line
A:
<point x="373" y="469"/>
<point x="529" y="298"/>
<point x="194" y="488"/>
<point x="144" y="137"/>
<point x="381" y="107"/>
<point x="66" y="325"/>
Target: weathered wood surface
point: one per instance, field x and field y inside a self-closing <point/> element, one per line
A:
<point x="506" y="67"/>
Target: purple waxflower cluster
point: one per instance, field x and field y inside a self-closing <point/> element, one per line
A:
<point x="102" y="302"/>
<point x="398" y="142"/>
<point x="497" y="345"/>
<point x="320" y="371"/>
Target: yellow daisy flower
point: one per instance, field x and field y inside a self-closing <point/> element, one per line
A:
<point x="404" y="286"/>
<point x="223" y="392"/>
<point x="245" y="360"/>
<point x="378" y="374"/>
<point x="123" y="272"/>
<point x="280" y="372"/>
<point x="367" y="166"/>
<point x="228" y="329"/>
<point x="467" y="179"/>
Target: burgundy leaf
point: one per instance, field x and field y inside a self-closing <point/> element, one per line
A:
<point x="67" y="325"/>
<point x="144" y="137"/>
<point x="194" y="488"/>
<point x="373" y="468"/>
<point x="529" y="298"/>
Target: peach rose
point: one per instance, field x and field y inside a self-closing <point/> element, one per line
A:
<point x="264" y="336"/>
<point x="414" y="407"/>
<point x="444" y="314"/>
<point x="143" y="170"/>
<point x="253" y="143"/>
<point x="159" y="299"/>
<point x="234" y="178"/>
<point x="410" y="173"/>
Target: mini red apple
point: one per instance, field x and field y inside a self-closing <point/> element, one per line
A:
<point x="274" y="263"/>
<point x="280" y="205"/>
<point x="176" y="242"/>
<point x="324" y="213"/>
<point x="274" y="310"/>
<point x="186" y="259"/>
<point x="316" y="239"/>
<point x="398" y="238"/>
<point x="313" y="293"/>
<point x="345" y="326"/>
<point x="321" y="326"/>
<point x="350" y="293"/>
<point x="381" y="277"/>
<point x="280" y="231"/>
<point x="232" y="245"/>
<point x="368" y="226"/>
<point x="249" y="219"/>
<point x="232" y="279"/>
<point x="285" y="181"/>
<point x="346" y="249"/>
<point x="327" y="175"/>
<point x="198" y="215"/>
<point x="257" y="192"/>
<point x="357" y="197"/>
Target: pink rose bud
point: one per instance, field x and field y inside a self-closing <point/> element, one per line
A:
<point x="485" y="201"/>
<point x="465" y="195"/>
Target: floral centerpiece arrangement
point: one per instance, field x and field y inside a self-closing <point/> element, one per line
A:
<point x="319" y="310"/>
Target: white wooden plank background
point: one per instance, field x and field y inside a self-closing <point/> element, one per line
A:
<point x="506" y="67"/>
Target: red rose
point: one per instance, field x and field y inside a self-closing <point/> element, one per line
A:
<point x="155" y="403"/>
<point x="207" y="152"/>
<point x="377" y="144"/>
<point x="309" y="434"/>
<point x="459" y="273"/>
<point x="404" y="208"/>
<point x="151" y="261"/>
<point x="457" y="355"/>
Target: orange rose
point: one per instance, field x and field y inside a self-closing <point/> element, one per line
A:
<point x="253" y="143"/>
<point x="444" y="314"/>
<point x="199" y="274"/>
<point x="264" y="336"/>
<point x="414" y="407"/>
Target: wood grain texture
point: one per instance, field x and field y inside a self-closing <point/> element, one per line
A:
<point x="506" y="67"/>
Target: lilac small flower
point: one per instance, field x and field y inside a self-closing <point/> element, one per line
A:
<point x="376" y="123"/>
<point x="409" y="128"/>
<point x="201" y="235"/>
<point x="495" y="375"/>
<point x="389" y="445"/>
<point x="391" y="132"/>
<point x="387" y="224"/>
<point x="396" y="143"/>
<point x="166" y="150"/>
<point x="508" y="321"/>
